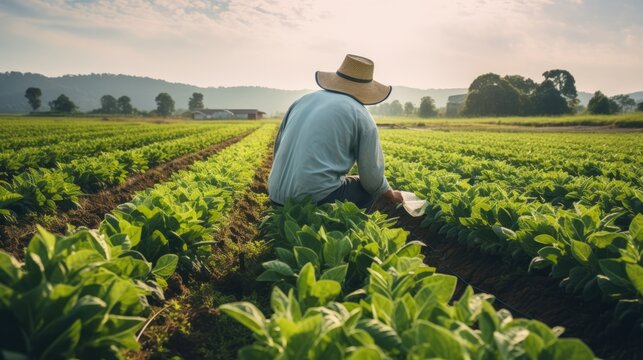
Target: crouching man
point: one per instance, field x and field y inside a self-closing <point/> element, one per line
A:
<point x="324" y="133"/>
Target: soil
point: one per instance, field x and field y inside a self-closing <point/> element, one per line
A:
<point x="14" y="238"/>
<point x="528" y="295"/>
<point x="196" y="329"/>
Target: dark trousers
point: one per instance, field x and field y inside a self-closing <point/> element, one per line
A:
<point x="351" y="190"/>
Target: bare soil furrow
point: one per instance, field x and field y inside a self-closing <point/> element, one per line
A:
<point x="195" y="329"/>
<point x="14" y="237"/>
<point x="526" y="294"/>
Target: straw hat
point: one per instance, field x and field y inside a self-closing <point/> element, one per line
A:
<point x="354" y="78"/>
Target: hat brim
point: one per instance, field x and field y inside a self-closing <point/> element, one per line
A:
<point x="370" y="93"/>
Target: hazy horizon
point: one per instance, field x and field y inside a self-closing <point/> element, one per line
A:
<point x="436" y="44"/>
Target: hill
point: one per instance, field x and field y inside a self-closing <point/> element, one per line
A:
<point x="86" y="91"/>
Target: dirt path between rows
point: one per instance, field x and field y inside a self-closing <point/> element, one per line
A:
<point x="14" y="238"/>
<point x="196" y="330"/>
<point x="529" y="295"/>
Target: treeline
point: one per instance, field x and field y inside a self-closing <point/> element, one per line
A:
<point x="111" y="105"/>
<point x="427" y="108"/>
<point x="515" y="95"/>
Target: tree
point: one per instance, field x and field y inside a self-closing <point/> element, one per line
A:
<point x="522" y="84"/>
<point x="563" y="81"/>
<point x="396" y="108"/>
<point x="565" y="84"/>
<point x="108" y="105"/>
<point x="383" y="108"/>
<point x="33" y="96"/>
<point x="164" y="104"/>
<point x="547" y="100"/>
<point x="196" y="102"/>
<point x="62" y="104"/>
<point x="427" y="108"/>
<point x="625" y="102"/>
<point x="490" y="95"/>
<point x="639" y="107"/>
<point x="124" y="105"/>
<point x="409" y="109"/>
<point x="599" y="104"/>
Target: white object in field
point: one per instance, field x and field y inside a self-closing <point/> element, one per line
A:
<point x="413" y="204"/>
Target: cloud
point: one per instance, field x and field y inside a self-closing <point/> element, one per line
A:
<point x="423" y="43"/>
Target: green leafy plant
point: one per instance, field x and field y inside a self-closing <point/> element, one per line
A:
<point x="80" y="295"/>
<point x="400" y="309"/>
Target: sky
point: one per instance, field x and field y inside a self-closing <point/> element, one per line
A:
<point x="280" y="44"/>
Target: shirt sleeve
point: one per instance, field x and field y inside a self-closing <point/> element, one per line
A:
<point x="370" y="160"/>
<point x="281" y="129"/>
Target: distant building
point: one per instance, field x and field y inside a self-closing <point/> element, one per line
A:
<point x="227" y="114"/>
<point x="455" y="103"/>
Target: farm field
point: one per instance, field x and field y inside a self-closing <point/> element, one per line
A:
<point x="131" y="239"/>
<point x="588" y="122"/>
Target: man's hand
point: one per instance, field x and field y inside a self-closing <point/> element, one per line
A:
<point x="393" y="196"/>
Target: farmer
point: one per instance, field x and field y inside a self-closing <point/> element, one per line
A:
<point x="324" y="133"/>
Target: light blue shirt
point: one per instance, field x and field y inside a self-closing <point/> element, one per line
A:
<point x="322" y="135"/>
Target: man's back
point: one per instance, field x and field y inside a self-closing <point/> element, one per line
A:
<point x="318" y="144"/>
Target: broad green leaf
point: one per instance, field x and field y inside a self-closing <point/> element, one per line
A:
<point x="166" y="265"/>
<point x="248" y="315"/>
<point x="325" y="291"/>
<point x="488" y="323"/>
<point x="9" y="269"/>
<point x="569" y="349"/>
<point x="367" y="353"/>
<point x="270" y="276"/>
<point x="64" y="343"/>
<point x="551" y="254"/>
<point x="635" y="273"/>
<point x="401" y="318"/>
<point x="603" y="239"/>
<point x="279" y="267"/>
<point x="442" y="286"/>
<point x="338" y="273"/>
<point x="305" y="280"/>
<point x="278" y="301"/>
<point x="581" y="251"/>
<point x="286" y="256"/>
<point x="381" y="307"/>
<point x="257" y="352"/>
<point x="301" y="342"/>
<point x="434" y="340"/>
<point x="304" y="255"/>
<point x="130" y="267"/>
<point x="384" y="335"/>
<point x="545" y="239"/>
<point x="636" y="228"/>
<point x="615" y="271"/>
<point x="42" y="244"/>
<point x="291" y="228"/>
<point x="335" y="250"/>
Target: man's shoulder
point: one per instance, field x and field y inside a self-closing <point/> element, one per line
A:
<point x="339" y="103"/>
<point x="332" y="97"/>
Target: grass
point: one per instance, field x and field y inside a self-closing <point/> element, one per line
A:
<point x="630" y="120"/>
<point x="7" y="118"/>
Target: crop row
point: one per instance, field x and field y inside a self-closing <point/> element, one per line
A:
<point x="21" y="137"/>
<point x="44" y="190"/>
<point x="14" y="162"/>
<point x="615" y="157"/>
<point x="530" y="184"/>
<point x="19" y="127"/>
<point x="85" y="295"/>
<point x="349" y="286"/>
<point x="592" y="239"/>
